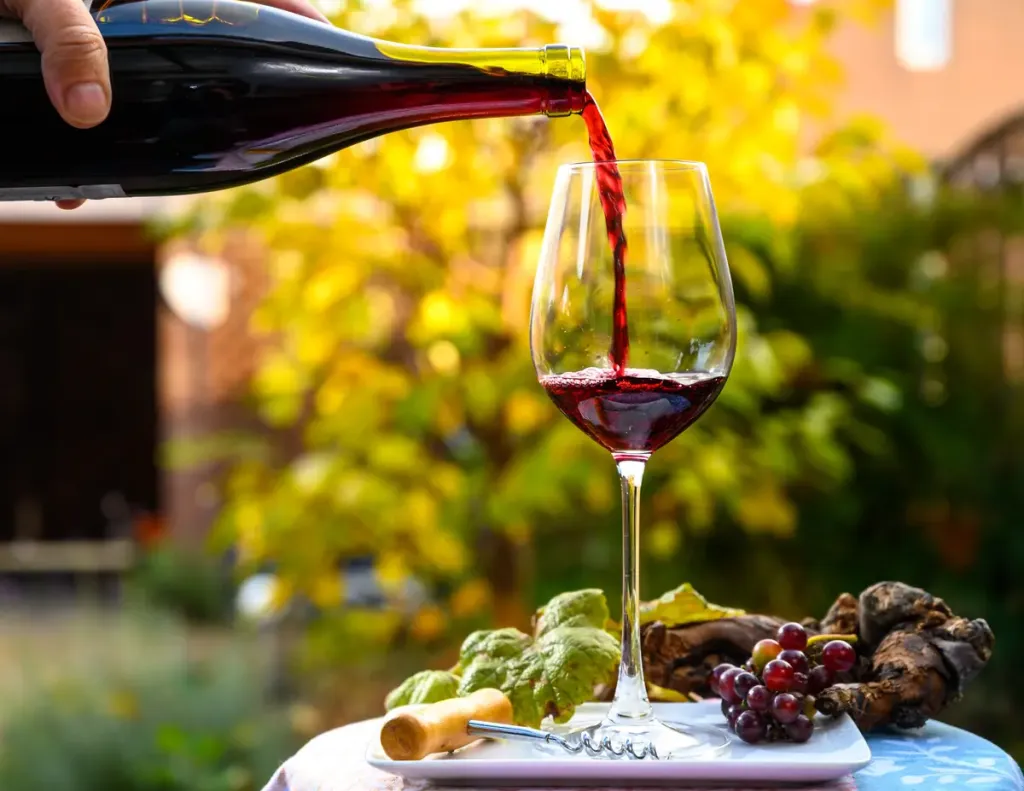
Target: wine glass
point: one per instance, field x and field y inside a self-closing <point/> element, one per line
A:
<point x="633" y="340"/>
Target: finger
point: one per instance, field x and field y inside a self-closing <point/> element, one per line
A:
<point x="75" y="66"/>
<point x="296" y="7"/>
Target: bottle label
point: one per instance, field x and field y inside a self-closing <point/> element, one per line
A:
<point x="87" y="192"/>
<point x="13" y="32"/>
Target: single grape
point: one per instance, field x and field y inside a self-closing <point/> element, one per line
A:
<point x="735" y="710"/>
<point x="808" y="707"/>
<point x="838" y="656"/>
<point x="798" y="659"/>
<point x="764" y="652"/>
<point x="785" y="708"/>
<point x="726" y="705"/>
<point x="778" y="675"/>
<point x="726" y="685"/>
<point x="800" y="729"/>
<point x="819" y="679"/>
<point x="716" y="676"/>
<point x="759" y="698"/>
<point x="800" y="683"/>
<point x="750" y="727"/>
<point x="743" y="683"/>
<point x="792" y="636"/>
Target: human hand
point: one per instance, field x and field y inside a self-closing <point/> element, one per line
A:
<point x="75" y="68"/>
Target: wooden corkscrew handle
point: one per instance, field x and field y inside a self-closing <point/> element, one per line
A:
<point x="443" y="726"/>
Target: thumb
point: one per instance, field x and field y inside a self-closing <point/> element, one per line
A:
<point x="74" y="58"/>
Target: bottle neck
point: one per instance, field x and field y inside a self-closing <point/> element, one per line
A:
<point x="559" y="70"/>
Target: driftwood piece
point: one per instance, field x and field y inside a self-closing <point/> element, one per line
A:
<point x="843" y="617"/>
<point x="915" y="656"/>
<point x="922" y="657"/>
<point x="683" y="658"/>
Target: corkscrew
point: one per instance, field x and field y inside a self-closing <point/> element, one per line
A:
<point x="575" y="745"/>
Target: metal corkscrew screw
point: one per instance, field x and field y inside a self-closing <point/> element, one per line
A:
<point x="584" y="744"/>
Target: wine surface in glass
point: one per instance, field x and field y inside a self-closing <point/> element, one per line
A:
<point x="635" y="411"/>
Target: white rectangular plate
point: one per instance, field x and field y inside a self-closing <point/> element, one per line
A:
<point x="836" y="749"/>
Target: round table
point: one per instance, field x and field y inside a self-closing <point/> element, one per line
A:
<point x="937" y="756"/>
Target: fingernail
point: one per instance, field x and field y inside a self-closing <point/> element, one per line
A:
<point x="86" y="102"/>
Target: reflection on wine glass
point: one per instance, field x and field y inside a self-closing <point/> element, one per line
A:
<point x="633" y="342"/>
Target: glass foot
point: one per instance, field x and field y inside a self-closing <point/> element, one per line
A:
<point x="670" y="740"/>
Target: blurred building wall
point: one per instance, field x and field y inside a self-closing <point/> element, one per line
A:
<point x="203" y="381"/>
<point x="939" y="111"/>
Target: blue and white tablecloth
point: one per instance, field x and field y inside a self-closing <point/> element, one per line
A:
<point x="936" y="758"/>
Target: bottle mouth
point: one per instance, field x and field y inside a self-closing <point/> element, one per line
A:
<point x="566" y="65"/>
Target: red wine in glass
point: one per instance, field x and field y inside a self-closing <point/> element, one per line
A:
<point x="633" y="412"/>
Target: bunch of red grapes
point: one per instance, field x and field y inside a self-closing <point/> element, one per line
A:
<point x="771" y="697"/>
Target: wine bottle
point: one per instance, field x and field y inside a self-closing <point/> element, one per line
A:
<point x="209" y="94"/>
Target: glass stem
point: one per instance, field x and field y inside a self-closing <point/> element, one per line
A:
<point x="631" y="703"/>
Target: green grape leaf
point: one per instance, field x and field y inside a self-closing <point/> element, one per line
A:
<point x="427" y="686"/>
<point x="498" y="644"/>
<point x="547" y="675"/>
<point x="684" y="605"/>
<point x="578" y="608"/>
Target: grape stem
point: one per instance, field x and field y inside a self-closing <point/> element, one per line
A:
<point x="827" y="638"/>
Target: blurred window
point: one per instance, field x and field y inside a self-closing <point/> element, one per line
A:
<point x="924" y="34"/>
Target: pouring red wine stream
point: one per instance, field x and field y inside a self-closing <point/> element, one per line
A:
<point x="613" y="203"/>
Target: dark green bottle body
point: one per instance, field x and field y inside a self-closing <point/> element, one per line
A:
<point x="211" y="94"/>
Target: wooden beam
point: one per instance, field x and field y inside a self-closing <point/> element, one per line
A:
<point x="70" y="244"/>
<point x="90" y="557"/>
<point x="107" y="231"/>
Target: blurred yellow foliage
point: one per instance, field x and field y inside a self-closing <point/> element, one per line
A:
<point x="663" y="539"/>
<point x="765" y="509"/>
<point x="471" y="598"/>
<point x="428" y="623"/>
<point x="326" y="591"/>
<point x="401" y="272"/>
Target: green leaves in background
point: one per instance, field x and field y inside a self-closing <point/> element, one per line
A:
<point x="165" y="729"/>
